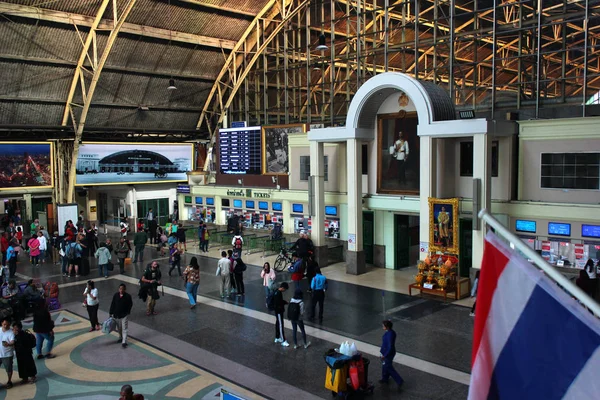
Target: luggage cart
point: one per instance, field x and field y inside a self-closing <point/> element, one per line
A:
<point x="347" y="377"/>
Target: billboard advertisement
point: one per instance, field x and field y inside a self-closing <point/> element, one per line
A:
<point x="128" y="163"/>
<point x="26" y="165"/>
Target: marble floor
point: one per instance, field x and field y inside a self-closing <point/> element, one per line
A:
<point x="228" y="342"/>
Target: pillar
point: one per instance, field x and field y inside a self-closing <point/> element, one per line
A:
<point x="427" y="186"/>
<point x="355" y="257"/>
<point x="218" y="218"/>
<point x="482" y="169"/>
<point x="28" y="208"/>
<point x="317" y="172"/>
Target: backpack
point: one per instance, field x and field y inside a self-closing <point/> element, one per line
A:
<point x="238" y="243"/>
<point x="240" y="266"/>
<point x="71" y="253"/>
<point x="294" y="311"/>
<point x="271" y="301"/>
<point x="295" y="267"/>
<point x="30" y="339"/>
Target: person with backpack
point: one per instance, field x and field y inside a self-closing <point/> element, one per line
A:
<point x="103" y="256"/>
<point x="279" y="308"/>
<point x="295" y="314"/>
<point x="238" y="271"/>
<point x="43" y="326"/>
<point x="24" y="343"/>
<point x="319" y="286"/>
<point x="223" y="266"/>
<point x="151" y="282"/>
<point x="191" y="276"/>
<point x="73" y="254"/>
<point x="237" y="242"/>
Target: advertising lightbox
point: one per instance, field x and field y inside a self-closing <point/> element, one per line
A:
<point x="26" y="165"/>
<point x="128" y="163"/>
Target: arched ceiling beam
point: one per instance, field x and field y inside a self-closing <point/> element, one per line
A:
<point x="120" y="17"/>
<point x="70" y="19"/>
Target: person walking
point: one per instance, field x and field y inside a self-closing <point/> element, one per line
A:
<point x="205" y="239"/>
<point x="191" y="275"/>
<point x="319" y="286"/>
<point x="295" y="314"/>
<point x="388" y="351"/>
<point x="11" y="258"/>
<point x="238" y="271"/>
<point x="237" y="242"/>
<point x="279" y="311"/>
<point x="120" y="308"/>
<point x="175" y="260"/>
<point x="91" y="300"/>
<point x="181" y="238"/>
<point x="34" y="249"/>
<point x="201" y="229"/>
<point x="268" y="275"/>
<point x="103" y="256"/>
<point x="43" y="246"/>
<point x="152" y="225"/>
<point x="311" y="268"/>
<point x="232" y="286"/>
<point x="43" y="326"/>
<point x="139" y="242"/>
<point x="151" y="281"/>
<point x="122" y="252"/>
<point x="7" y="350"/>
<point x="223" y="271"/>
<point x="25" y="363"/>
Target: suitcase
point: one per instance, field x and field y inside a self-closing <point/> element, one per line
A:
<point x="84" y="268"/>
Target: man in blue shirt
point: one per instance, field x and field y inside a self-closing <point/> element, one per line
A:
<point x="388" y="351"/>
<point x="318" y="286"/>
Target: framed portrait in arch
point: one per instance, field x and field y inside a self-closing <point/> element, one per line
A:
<point x="275" y="159"/>
<point x="443" y="225"/>
<point x="398" y="153"/>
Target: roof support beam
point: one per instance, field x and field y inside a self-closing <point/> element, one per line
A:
<point x="79" y="125"/>
<point x="70" y="19"/>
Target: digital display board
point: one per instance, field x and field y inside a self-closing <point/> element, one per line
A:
<point x="297" y="208"/>
<point x="225" y="203"/>
<point x="198" y="200"/>
<point x="187" y="199"/>
<point x="249" y="203"/>
<point x="590" y="231"/>
<point x="210" y="201"/>
<point x="330" y="210"/>
<point x="263" y="205"/>
<point x="277" y="206"/>
<point x="559" y="229"/>
<point x="240" y="150"/>
<point x="522" y="225"/>
<point x="237" y="203"/>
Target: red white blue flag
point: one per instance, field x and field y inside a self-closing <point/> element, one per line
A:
<point x="531" y="339"/>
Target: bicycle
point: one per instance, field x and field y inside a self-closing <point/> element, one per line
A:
<point x="284" y="258"/>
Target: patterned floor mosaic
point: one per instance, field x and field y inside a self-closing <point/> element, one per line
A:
<point x="92" y="365"/>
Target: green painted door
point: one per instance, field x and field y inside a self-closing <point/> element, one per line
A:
<point x="368" y="236"/>
<point x="465" y="257"/>
<point x="402" y="242"/>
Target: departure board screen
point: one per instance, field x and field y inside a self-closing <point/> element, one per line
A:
<point x="240" y="150"/>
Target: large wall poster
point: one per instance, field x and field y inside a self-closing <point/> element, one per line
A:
<point x="127" y="163"/>
<point x="275" y="147"/>
<point x="26" y="165"/>
<point x="398" y="153"/>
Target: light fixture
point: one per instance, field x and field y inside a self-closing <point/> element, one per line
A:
<point x="467" y="114"/>
<point x="171" y="85"/>
<point x="144" y="108"/>
<point x="240" y="182"/>
<point x="322" y="45"/>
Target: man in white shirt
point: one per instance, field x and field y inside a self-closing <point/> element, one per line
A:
<point x="223" y="272"/>
<point x="7" y="350"/>
<point x="401" y="149"/>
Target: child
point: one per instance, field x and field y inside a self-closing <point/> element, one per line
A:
<point x="175" y="259"/>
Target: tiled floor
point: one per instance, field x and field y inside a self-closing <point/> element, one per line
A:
<point x="233" y="338"/>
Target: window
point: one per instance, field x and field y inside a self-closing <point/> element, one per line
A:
<point x="570" y="171"/>
<point x="466" y="159"/>
<point x="305" y="168"/>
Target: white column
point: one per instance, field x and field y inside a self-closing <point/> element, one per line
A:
<point x="317" y="171"/>
<point x="426" y="186"/>
<point x="482" y="169"/>
<point x="218" y="217"/>
<point x="355" y="257"/>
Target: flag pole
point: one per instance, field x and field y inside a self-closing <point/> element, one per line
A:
<point x="548" y="269"/>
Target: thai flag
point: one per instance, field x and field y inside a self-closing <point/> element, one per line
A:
<point x="531" y="339"/>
